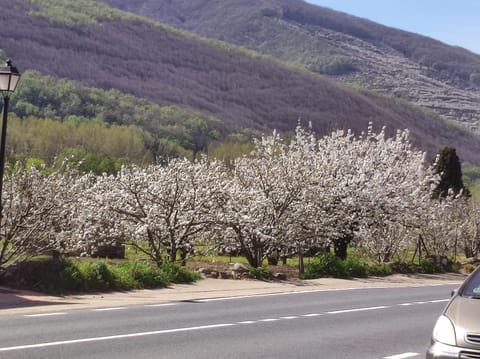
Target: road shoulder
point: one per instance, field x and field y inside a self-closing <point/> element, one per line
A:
<point x="21" y="302"/>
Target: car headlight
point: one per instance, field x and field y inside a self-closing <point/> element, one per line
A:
<point x="444" y="332"/>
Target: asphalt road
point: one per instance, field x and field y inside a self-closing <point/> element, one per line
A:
<point x="389" y="323"/>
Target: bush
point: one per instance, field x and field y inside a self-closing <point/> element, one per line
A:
<point x="380" y="270"/>
<point x="429" y="266"/>
<point x="69" y="279"/>
<point x="95" y="276"/>
<point x="177" y="274"/>
<point x="260" y="273"/>
<point x="403" y="268"/>
<point x="469" y="268"/>
<point x="139" y="275"/>
<point x="66" y="276"/>
<point x="354" y="268"/>
<point x="324" y="265"/>
<point x="327" y="265"/>
<point x="38" y="274"/>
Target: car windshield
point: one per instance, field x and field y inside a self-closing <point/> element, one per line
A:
<point x="472" y="287"/>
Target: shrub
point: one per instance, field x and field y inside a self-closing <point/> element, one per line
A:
<point x="429" y="266"/>
<point x="260" y="273"/>
<point x="403" y="268"/>
<point x="37" y="274"/>
<point x="66" y="276"/>
<point x="69" y="279"/>
<point x="324" y="265"/>
<point x="354" y="268"/>
<point x="95" y="276"/>
<point x="380" y="270"/>
<point x="469" y="268"/>
<point x="327" y="265"/>
<point x="177" y="274"/>
<point x="139" y="275"/>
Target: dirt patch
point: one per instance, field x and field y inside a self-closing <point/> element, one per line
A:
<point x="225" y="270"/>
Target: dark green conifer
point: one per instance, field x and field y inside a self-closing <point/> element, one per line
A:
<point x="450" y="170"/>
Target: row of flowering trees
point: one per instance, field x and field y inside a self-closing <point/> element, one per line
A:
<point x="284" y="199"/>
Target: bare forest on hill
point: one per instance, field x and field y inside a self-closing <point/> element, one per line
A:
<point x="242" y="90"/>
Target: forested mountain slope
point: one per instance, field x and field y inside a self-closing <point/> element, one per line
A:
<point x="439" y="77"/>
<point x="105" y="48"/>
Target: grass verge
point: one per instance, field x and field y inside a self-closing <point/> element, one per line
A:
<point x="72" y="276"/>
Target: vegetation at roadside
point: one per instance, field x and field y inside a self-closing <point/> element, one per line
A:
<point x="260" y="273"/>
<point x="328" y="265"/>
<point x="62" y="276"/>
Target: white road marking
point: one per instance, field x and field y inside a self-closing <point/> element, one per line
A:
<point x="312" y="291"/>
<point x="160" y="305"/>
<point x="45" y="314"/>
<point x="357" y="309"/>
<point x="269" y="320"/>
<point x="402" y="356"/>
<point x="159" y="332"/>
<point x="109" y="309"/>
<point x="439" y="301"/>
<point x="113" y="337"/>
<point x="426" y="302"/>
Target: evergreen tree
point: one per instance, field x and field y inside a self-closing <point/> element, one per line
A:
<point x="450" y="170"/>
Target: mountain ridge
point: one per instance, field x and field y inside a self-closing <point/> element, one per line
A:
<point x="168" y="68"/>
<point x="424" y="71"/>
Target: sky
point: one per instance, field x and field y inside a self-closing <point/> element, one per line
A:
<point x="455" y="22"/>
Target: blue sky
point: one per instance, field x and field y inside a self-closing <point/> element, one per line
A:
<point x="455" y="22"/>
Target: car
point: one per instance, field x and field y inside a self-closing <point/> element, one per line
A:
<point x="456" y="333"/>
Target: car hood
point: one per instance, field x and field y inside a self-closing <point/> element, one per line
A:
<point x="465" y="316"/>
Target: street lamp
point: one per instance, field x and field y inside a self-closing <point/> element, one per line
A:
<point x="9" y="77"/>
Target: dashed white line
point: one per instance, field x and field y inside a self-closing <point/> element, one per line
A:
<point x="160" y="305"/>
<point x="159" y="332"/>
<point x="269" y="320"/>
<point x="109" y="309"/>
<point x="357" y="310"/>
<point x="292" y="293"/>
<point x="112" y="337"/>
<point x="45" y="314"/>
<point x="439" y="301"/>
<point x="402" y="356"/>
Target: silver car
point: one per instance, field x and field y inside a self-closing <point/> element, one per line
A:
<point x="457" y="332"/>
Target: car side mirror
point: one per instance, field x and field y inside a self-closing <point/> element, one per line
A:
<point x="454" y="292"/>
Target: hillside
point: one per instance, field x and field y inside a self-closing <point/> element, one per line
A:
<point x="101" y="47"/>
<point x="424" y="71"/>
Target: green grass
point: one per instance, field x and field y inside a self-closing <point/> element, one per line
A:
<point x="87" y="275"/>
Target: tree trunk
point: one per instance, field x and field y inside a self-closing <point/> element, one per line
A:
<point x="183" y="254"/>
<point x="273" y="259"/>
<point x="340" y="247"/>
<point x="301" y="264"/>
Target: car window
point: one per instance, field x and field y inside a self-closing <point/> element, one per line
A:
<point x="472" y="287"/>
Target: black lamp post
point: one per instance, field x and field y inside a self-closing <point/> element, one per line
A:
<point x="9" y="77"/>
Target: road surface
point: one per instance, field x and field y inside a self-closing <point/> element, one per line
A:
<point x="392" y="323"/>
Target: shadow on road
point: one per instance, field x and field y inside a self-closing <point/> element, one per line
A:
<point x="11" y="298"/>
